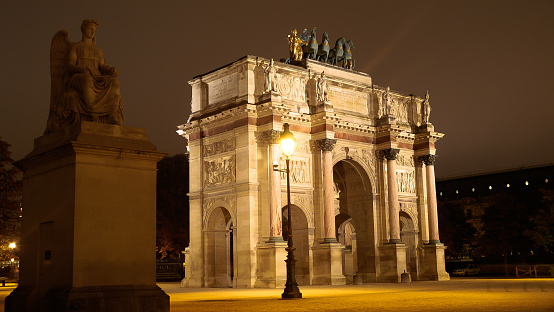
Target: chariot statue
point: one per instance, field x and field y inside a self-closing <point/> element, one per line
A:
<point x="83" y="86"/>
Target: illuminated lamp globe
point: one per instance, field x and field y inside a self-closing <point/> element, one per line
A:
<point x="12" y="245"/>
<point x="287" y="141"/>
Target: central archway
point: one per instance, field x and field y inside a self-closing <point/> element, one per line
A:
<point x="354" y="220"/>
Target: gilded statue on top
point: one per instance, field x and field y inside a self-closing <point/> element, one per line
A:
<point x="83" y="86"/>
<point x="295" y="46"/>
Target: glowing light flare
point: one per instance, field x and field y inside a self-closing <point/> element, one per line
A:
<point x="12" y="245"/>
<point x="287" y="141"/>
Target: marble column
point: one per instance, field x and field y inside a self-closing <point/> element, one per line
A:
<point x="394" y="208"/>
<point x="326" y="146"/>
<point x="429" y="161"/>
<point x="271" y="138"/>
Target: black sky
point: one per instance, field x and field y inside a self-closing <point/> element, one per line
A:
<point x="488" y="65"/>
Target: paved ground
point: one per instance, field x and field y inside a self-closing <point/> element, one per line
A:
<point x="459" y="294"/>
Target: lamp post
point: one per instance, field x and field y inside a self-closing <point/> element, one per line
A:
<point x="291" y="291"/>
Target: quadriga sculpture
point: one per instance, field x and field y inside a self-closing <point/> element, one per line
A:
<point x="336" y="53"/>
<point x="347" y="60"/>
<point x="310" y="49"/>
<point x="83" y="86"/>
<point x="323" y="49"/>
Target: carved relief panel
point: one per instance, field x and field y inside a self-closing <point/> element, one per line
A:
<point x="219" y="170"/>
<point x="406" y="181"/>
<point x="291" y="88"/>
<point x="299" y="170"/>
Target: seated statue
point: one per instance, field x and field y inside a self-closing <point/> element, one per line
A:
<point x="83" y="86"/>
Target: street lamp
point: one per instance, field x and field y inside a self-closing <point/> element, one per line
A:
<point x="291" y="291"/>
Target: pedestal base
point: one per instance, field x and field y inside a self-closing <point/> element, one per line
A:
<point x="91" y="299"/>
<point x="433" y="263"/>
<point x="426" y="127"/>
<point x="328" y="264"/>
<point x="324" y="107"/>
<point x="393" y="262"/>
<point x="272" y="269"/>
<point x="271" y="96"/>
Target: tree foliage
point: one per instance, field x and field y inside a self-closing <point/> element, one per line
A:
<point x="505" y="221"/>
<point x="172" y="207"/>
<point x="10" y="202"/>
<point x="455" y="231"/>
<point x="542" y="231"/>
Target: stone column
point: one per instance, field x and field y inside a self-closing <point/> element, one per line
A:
<point x="275" y="224"/>
<point x="271" y="138"/>
<point x="272" y="253"/>
<point x="394" y="209"/>
<point x="326" y="146"/>
<point x="429" y="161"/>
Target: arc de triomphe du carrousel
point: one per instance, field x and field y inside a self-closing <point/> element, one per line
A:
<point x="363" y="200"/>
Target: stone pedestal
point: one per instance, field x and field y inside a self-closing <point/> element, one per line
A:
<point x="328" y="271"/>
<point x="89" y="225"/>
<point x="272" y="269"/>
<point x="393" y="262"/>
<point x="433" y="263"/>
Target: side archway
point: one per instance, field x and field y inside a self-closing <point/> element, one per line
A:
<point x="301" y="242"/>
<point x="219" y="249"/>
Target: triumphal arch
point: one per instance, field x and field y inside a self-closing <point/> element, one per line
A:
<point x="363" y="199"/>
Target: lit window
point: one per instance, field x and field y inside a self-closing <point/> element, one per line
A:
<point x="490" y="187"/>
<point x="456" y="191"/>
<point x="545" y="180"/>
<point x="526" y="182"/>
<point x="473" y="189"/>
<point x="508" y="185"/>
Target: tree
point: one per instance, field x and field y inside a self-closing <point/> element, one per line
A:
<point x="506" y="220"/>
<point x="10" y="202"/>
<point x="172" y="207"/>
<point x="542" y="231"/>
<point x="455" y="230"/>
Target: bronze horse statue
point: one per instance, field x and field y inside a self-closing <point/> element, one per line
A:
<point x="347" y="60"/>
<point x="336" y="53"/>
<point x="310" y="49"/>
<point x="323" y="50"/>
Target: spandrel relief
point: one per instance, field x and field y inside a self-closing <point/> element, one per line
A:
<point x="219" y="171"/>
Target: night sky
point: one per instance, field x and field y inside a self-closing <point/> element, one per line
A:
<point x="488" y="65"/>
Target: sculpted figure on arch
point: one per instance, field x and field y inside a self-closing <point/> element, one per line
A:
<point x="83" y="86"/>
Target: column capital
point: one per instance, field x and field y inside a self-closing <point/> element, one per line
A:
<point x="391" y="153"/>
<point x="325" y="145"/>
<point x="268" y="137"/>
<point x="429" y="160"/>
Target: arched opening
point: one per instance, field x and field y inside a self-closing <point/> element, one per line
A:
<point x="219" y="243"/>
<point x="354" y="220"/>
<point x="346" y="235"/>
<point x="408" y="235"/>
<point x="301" y="244"/>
